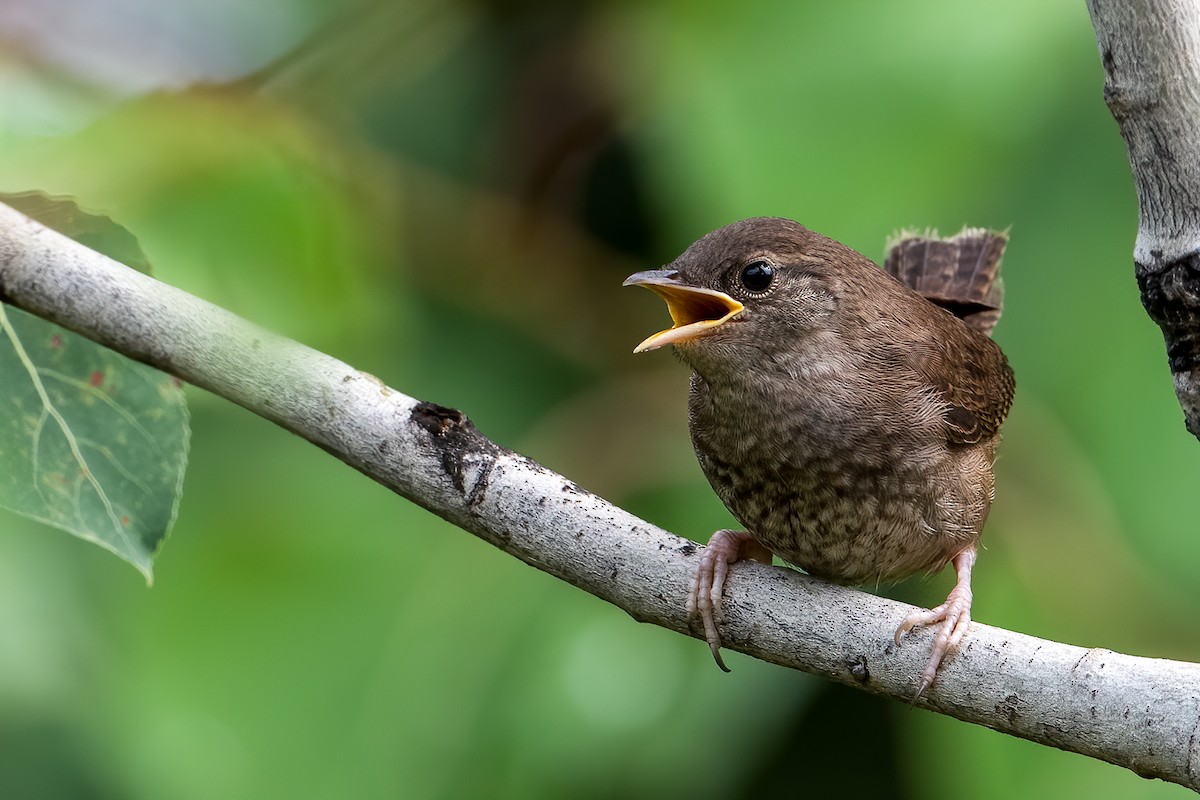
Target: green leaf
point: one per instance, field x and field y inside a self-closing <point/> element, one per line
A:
<point x="91" y="230"/>
<point x="90" y="441"/>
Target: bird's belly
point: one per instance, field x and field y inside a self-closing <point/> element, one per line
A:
<point x="842" y="514"/>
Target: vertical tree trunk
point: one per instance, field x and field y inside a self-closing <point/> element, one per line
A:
<point x="1150" y="50"/>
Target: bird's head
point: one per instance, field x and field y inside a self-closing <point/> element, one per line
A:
<point x="750" y="287"/>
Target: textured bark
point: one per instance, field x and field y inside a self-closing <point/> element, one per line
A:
<point x="1150" y="50"/>
<point x="1141" y="713"/>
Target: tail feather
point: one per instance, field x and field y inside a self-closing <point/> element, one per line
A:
<point x="960" y="273"/>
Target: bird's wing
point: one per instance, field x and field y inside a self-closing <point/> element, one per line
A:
<point x="972" y="376"/>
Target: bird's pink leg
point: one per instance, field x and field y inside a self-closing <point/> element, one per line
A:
<point x="708" y="582"/>
<point x="954" y="614"/>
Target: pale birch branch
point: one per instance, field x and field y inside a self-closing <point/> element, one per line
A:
<point x="1141" y="713"/>
<point x="1150" y="50"/>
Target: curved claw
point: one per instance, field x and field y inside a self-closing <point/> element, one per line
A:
<point x="954" y="616"/>
<point x="708" y="582"/>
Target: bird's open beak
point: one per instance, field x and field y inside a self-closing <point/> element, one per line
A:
<point x="695" y="311"/>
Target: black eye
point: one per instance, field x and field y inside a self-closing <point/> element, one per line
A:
<point x="758" y="275"/>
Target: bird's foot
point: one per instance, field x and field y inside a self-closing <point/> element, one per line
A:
<point x="954" y="616"/>
<point x="708" y="583"/>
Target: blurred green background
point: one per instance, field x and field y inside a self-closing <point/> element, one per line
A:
<point x="448" y="195"/>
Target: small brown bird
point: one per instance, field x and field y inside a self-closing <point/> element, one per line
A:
<point x="847" y="420"/>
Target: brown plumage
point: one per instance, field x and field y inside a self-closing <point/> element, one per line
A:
<point x="846" y="420"/>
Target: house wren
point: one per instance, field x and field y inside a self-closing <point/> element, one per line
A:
<point x="848" y="416"/>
